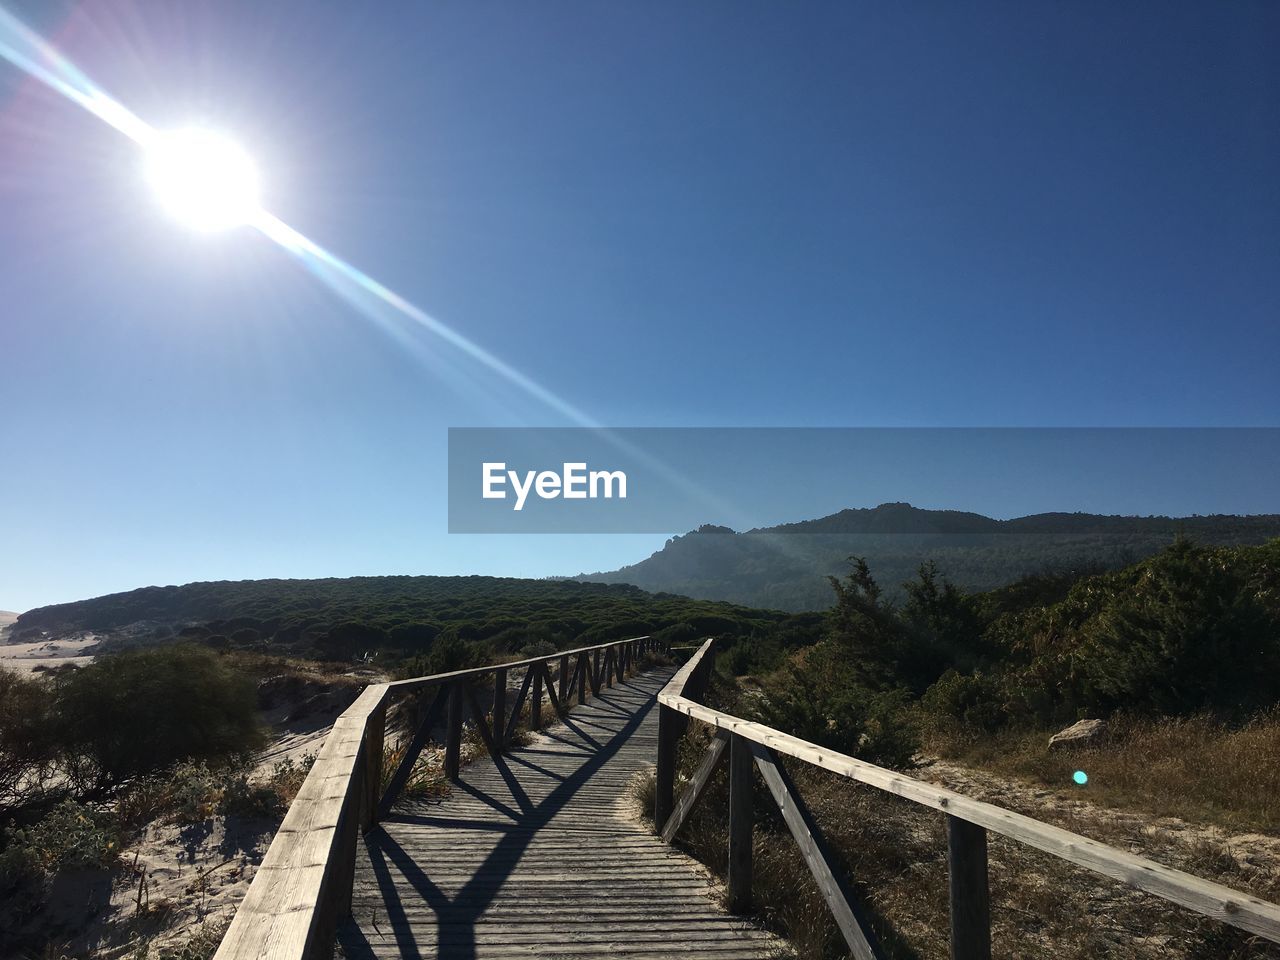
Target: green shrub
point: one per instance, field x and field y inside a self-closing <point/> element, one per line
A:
<point x="448" y="653"/>
<point x="194" y="791"/>
<point x="70" y="836"/>
<point x="823" y="701"/>
<point x="26" y="749"/>
<point x="972" y="699"/>
<point x="251" y="799"/>
<point x="136" y="713"/>
<point x="752" y="655"/>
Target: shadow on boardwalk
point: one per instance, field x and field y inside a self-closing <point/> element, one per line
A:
<point x="532" y="855"/>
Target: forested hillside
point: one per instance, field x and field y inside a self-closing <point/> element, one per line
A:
<point x="397" y="616"/>
<point x="786" y="566"/>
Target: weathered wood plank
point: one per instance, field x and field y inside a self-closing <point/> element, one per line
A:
<point x="696" y="787"/>
<point x="852" y="923"/>
<point x="741" y="826"/>
<point x="453" y="730"/>
<point x="499" y="709"/>
<point x="970" y="894"/>
<point x="665" y="771"/>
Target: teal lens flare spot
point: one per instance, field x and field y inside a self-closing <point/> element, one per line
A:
<point x="1080" y="777"/>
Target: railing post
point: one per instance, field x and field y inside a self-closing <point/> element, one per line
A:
<point x="970" y="896"/>
<point x="740" y="824"/>
<point x="664" y="797"/>
<point x="595" y="674"/>
<point x="582" y="678"/>
<point x="499" y="709"/>
<point x="535" y="702"/>
<point x="564" y="683"/>
<point x="453" y="732"/>
<point x="374" y="733"/>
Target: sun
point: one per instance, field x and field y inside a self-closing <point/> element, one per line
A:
<point x="205" y="180"/>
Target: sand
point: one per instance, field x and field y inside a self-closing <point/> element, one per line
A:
<point x="46" y="654"/>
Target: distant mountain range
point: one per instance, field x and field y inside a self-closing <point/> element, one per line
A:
<point x="785" y="567"/>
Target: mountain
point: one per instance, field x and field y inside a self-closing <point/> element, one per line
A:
<point x="785" y="567"/>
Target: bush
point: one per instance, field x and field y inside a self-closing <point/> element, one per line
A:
<point x="447" y="654"/>
<point x="752" y="655"/>
<point x="250" y="799"/>
<point x="194" y="791"/>
<point x="26" y="751"/>
<point x="136" y="713"/>
<point x="971" y="699"/>
<point x="70" y="836"/>
<point x="822" y="701"/>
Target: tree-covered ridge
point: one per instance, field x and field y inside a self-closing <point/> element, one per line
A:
<point x="400" y="616"/>
<point x="786" y="566"/>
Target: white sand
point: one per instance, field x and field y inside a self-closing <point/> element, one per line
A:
<point x="25" y="657"/>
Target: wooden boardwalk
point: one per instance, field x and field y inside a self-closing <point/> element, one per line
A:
<point x="535" y="856"/>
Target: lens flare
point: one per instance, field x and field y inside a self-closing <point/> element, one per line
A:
<point x="1080" y="777"/>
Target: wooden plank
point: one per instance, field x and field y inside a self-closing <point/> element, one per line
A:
<point x="696" y="787"/>
<point x="853" y="925"/>
<point x="552" y="695"/>
<point x="374" y="735"/>
<point x="1196" y="894"/>
<point x="499" y="709"/>
<point x="970" y="894"/>
<point x="514" y="720"/>
<point x="741" y="826"/>
<point x="453" y="731"/>
<point x="665" y="773"/>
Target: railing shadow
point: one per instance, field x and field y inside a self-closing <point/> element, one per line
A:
<point x="456" y="916"/>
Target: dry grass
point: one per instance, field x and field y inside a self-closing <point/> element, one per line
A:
<point x="894" y="854"/>
<point x="1196" y="768"/>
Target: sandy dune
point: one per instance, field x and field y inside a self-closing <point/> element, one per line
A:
<point x="26" y="657"/>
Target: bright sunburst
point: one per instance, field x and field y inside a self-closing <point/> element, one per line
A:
<point x="203" y="179"/>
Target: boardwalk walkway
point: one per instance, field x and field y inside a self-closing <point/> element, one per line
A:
<point x="535" y="856"/>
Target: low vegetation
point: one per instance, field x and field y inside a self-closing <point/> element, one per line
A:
<point x="396" y="619"/>
<point x="1197" y="768"/>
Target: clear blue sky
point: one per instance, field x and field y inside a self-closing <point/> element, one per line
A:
<point x="709" y="214"/>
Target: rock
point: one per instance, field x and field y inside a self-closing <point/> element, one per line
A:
<point x="1082" y="733"/>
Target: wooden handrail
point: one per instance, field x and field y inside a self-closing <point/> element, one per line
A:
<point x="303" y="885"/>
<point x="968" y="820"/>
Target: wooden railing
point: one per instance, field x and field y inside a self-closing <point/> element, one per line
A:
<point x="303" y="887"/>
<point x="967" y="824"/>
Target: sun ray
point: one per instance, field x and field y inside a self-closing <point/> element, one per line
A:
<point x="27" y="50"/>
